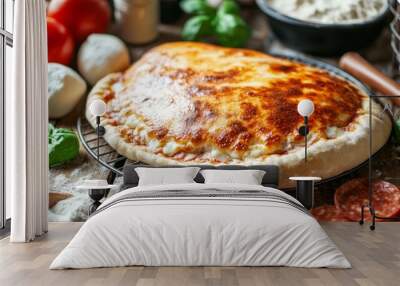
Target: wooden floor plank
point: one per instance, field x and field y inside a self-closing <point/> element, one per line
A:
<point x="375" y="257"/>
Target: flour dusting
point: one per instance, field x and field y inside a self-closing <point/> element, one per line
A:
<point x="76" y="207"/>
<point x="330" y="11"/>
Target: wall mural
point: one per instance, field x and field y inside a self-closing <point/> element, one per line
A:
<point x="169" y="99"/>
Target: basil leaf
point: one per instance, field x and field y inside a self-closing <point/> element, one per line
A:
<point x="197" y="7"/>
<point x="63" y="145"/>
<point x="51" y="127"/>
<point x="228" y="7"/>
<point x="231" y="30"/>
<point x="396" y="131"/>
<point x="196" y="27"/>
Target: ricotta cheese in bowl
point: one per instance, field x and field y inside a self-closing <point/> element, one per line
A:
<point x="330" y="11"/>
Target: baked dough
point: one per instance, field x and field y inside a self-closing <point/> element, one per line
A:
<point x="193" y="103"/>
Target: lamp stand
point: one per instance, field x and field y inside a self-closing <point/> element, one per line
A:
<point x="303" y="131"/>
<point x="100" y="131"/>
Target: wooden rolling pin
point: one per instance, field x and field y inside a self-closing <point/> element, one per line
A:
<point x="356" y="65"/>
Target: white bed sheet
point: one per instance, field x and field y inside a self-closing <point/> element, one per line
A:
<point x="200" y="232"/>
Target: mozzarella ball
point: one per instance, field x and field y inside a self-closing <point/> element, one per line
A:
<point x="100" y="55"/>
<point x="65" y="89"/>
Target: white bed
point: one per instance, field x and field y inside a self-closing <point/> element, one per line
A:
<point x="185" y="230"/>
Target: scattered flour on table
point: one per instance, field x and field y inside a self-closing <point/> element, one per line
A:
<point x="76" y="207"/>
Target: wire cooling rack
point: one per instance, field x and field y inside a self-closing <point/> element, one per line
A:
<point x="115" y="162"/>
<point x="107" y="156"/>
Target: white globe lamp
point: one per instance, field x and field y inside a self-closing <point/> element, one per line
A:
<point x="98" y="108"/>
<point x="305" y="108"/>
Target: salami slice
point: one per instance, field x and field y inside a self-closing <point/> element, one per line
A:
<point x="350" y="196"/>
<point x="328" y="213"/>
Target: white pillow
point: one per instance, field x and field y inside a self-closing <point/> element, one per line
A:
<point x="166" y="176"/>
<point x="248" y="177"/>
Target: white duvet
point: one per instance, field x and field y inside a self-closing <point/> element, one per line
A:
<point x="200" y="231"/>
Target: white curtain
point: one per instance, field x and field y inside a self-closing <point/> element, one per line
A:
<point x="26" y="124"/>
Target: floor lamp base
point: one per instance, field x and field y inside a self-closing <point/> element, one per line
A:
<point x="374" y="216"/>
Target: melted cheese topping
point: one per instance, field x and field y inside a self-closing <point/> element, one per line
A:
<point x="192" y="101"/>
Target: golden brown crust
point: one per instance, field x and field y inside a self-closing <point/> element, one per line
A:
<point x="197" y="103"/>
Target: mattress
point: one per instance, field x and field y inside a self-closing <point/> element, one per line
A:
<point x="201" y="225"/>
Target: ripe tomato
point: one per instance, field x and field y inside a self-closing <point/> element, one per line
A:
<point x="81" y="17"/>
<point x="60" y="43"/>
